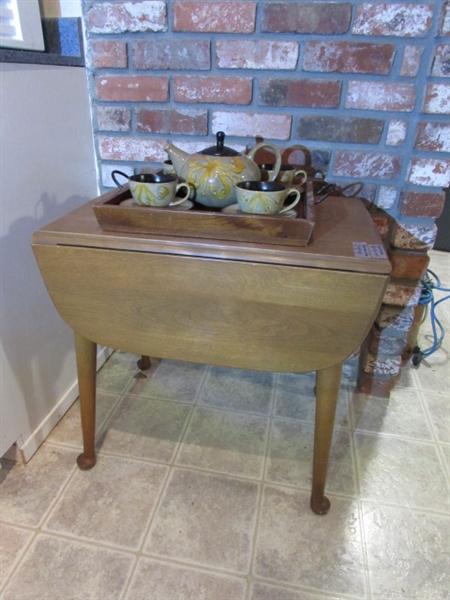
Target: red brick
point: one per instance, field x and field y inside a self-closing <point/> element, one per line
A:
<point x="356" y="130"/>
<point x="422" y="204"/>
<point x="381" y="388"/>
<point x="132" y="88"/>
<point x="122" y="17"/>
<point x="412" y="57"/>
<point x="444" y="25"/>
<point x="106" y="170"/>
<point x="348" y="57"/>
<point x="380" y="95"/>
<point x="367" y="192"/>
<point x="373" y="165"/>
<point x="433" y="136"/>
<point x="404" y="20"/>
<point x="387" y="197"/>
<point x="214" y="17"/>
<point x="397" y="131"/>
<point x="133" y="149"/>
<point x="299" y="92"/>
<point x="382" y="223"/>
<point x="325" y="18"/>
<point x="441" y="63"/>
<point x="350" y="371"/>
<point x="113" y="118"/>
<point x="433" y="172"/>
<point x="355" y="354"/>
<point x="413" y="237"/>
<point x="419" y="315"/>
<point x="380" y="343"/>
<point x="105" y="54"/>
<point x="398" y="320"/>
<point x="437" y="99"/>
<point x="408" y="264"/>
<point x="257" y="54"/>
<point x="225" y="90"/>
<point x="382" y="366"/>
<point x="311" y="160"/>
<point x="171" y="54"/>
<point x="189" y="122"/>
<point x="243" y="124"/>
<point x="402" y="292"/>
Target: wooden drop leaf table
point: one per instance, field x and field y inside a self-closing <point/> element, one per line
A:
<point x="228" y="303"/>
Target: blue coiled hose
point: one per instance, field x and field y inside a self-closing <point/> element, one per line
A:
<point x="429" y="284"/>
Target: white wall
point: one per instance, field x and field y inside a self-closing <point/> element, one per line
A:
<point x="47" y="167"/>
<point x="60" y="8"/>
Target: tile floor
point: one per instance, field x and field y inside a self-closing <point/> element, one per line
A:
<point x="201" y="491"/>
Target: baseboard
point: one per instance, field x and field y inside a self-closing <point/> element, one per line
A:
<point x="22" y="452"/>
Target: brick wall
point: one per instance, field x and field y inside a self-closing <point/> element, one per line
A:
<point x="364" y="86"/>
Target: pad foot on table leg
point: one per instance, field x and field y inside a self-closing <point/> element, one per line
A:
<point x="321" y="505"/>
<point x="144" y="363"/>
<point x="86" y="462"/>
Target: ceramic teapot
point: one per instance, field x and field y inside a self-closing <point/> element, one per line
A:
<point x="215" y="171"/>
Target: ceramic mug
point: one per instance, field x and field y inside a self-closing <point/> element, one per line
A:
<point x="154" y="189"/>
<point x="265" y="197"/>
<point x="286" y="174"/>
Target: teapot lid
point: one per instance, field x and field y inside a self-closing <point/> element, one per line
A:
<point x="219" y="149"/>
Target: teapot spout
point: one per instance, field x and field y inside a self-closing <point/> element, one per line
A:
<point x="177" y="156"/>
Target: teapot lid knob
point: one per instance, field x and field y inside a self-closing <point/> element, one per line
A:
<point x="219" y="149"/>
<point x="220" y="137"/>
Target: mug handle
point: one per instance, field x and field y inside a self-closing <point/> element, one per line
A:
<point x="303" y="174"/>
<point x="113" y="177"/>
<point x="292" y="204"/>
<point x="185" y="197"/>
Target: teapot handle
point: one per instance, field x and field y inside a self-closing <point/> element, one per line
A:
<point x="275" y="150"/>
<point x="114" y="178"/>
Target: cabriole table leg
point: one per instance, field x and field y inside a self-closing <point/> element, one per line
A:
<point x="86" y="365"/>
<point x="327" y="391"/>
<point x="144" y="363"/>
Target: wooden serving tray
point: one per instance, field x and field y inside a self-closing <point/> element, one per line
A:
<point x="202" y="222"/>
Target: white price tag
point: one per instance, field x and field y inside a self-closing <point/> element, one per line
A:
<point x="377" y="251"/>
<point x="361" y="250"/>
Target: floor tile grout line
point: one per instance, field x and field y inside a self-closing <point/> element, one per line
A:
<point x="415" y="509"/>
<point x="188" y="420"/>
<point x="367" y="578"/>
<point x="41" y="523"/>
<point x="393" y="436"/>
<point x="146" y="533"/>
<point x="261" y="486"/>
<point x="286" y="585"/>
<point x="141" y="552"/>
<point x="435" y="435"/>
<point x="108" y="416"/>
<point x="19" y="561"/>
<point x="67" y="537"/>
<point x="59" y="495"/>
<point x="363" y="498"/>
<point x="162" y="492"/>
<point x="167" y="398"/>
<point x="256" y="478"/>
<point x="444" y="461"/>
<point x="187" y="563"/>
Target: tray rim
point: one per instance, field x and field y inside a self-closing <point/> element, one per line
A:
<point x="297" y="231"/>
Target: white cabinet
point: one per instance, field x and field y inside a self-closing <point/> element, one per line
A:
<point x="47" y="168"/>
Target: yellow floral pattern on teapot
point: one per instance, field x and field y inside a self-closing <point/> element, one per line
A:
<point x="213" y="176"/>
